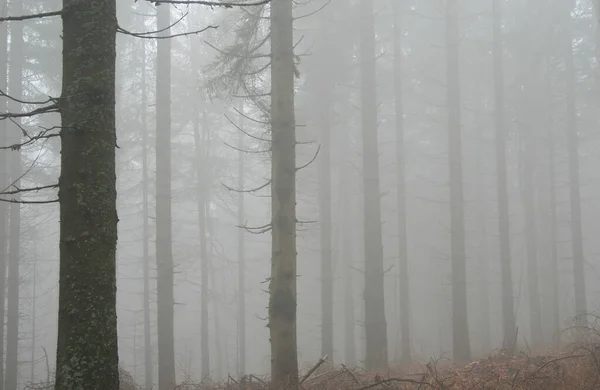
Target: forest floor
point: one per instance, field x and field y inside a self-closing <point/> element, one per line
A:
<point x="570" y="369"/>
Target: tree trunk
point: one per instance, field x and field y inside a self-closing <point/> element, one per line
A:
<point x="282" y="288"/>
<point x="460" y="328"/>
<point x="554" y="272"/>
<point x="241" y="257"/>
<point x="33" y="310"/>
<point x="4" y="182"/>
<point x="375" y="322"/>
<point x="528" y="161"/>
<point x="164" y="256"/>
<point x="204" y="298"/>
<point x="509" y="326"/>
<point x="483" y="256"/>
<point x="148" y="356"/>
<point x="12" y="297"/>
<point x="87" y="353"/>
<point x="324" y="124"/>
<point x="574" y="186"/>
<point x="401" y="188"/>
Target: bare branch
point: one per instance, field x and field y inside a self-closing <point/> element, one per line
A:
<point x="31" y="189"/>
<point x="255" y="189"/>
<point x="37" y="111"/>
<point x="144" y="35"/>
<point x="29" y="201"/>
<point x="245" y="132"/>
<point x="32" y="16"/>
<point x="209" y="3"/>
<point x="257" y="229"/>
<point x="49" y="100"/>
<point x="311" y="161"/>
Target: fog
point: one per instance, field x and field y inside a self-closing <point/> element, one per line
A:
<point x="403" y="197"/>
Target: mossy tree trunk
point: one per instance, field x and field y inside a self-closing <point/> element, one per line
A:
<point x="282" y="288"/>
<point x="87" y="354"/>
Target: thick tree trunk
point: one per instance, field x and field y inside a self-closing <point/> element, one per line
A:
<point x="375" y="322"/>
<point x="12" y="297"/>
<point x="87" y="353"/>
<point x="164" y="256"/>
<point x="460" y="328"/>
<point x="574" y="186"/>
<point x="508" y="310"/>
<point x="282" y="289"/>
<point x="148" y="357"/>
<point x="404" y="290"/>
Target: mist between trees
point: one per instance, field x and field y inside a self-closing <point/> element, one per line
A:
<point x="201" y="190"/>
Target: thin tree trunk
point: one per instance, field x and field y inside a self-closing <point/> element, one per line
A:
<point x="346" y="245"/>
<point x="460" y="328"/>
<point x="574" y="186"/>
<point x="241" y="257"/>
<point x="164" y="255"/>
<point x="15" y="88"/>
<point x="508" y="310"/>
<point x="324" y="124"/>
<point x="535" y="318"/>
<point x="554" y="272"/>
<point x="282" y="288"/>
<point x="33" y="311"/>
<point x="202" y="183"/>
<point x="148" y="356"/>
<point x="4" y="182"/>
<point x="87" y="353"/>
<point x="483" y="258"/>
<point x="375" y="322"/>
<point x="401" y="187"/>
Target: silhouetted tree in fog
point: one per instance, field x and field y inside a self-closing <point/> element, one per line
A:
<point x="375" y="321"/>
<point x="509" y="327"/>
<point x="460" y="328"/>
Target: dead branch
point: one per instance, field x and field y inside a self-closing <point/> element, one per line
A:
<point x="31" y="189"/>
<point x="354" y="378"/>
<point x="311" y="160"/>
<point x="246" y="133"/>
<point x="313" y="369"/>
<point x="255" y="189"/>
<point x="209" y="3"/>
<point x="257" y="229"/>
<point x="37" y="111"/>
<point x="143" y="35"/>
<point x="32" y="16"/>
<point x="390" y="380"/>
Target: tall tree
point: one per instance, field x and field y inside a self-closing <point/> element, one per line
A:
<point x="573" y="153"/>
<point x="508" y="311"/>
<point x="148" y="356"/>
<point x="460" y="327"/>
<point x="87" y="354"/>
<point x="14" y="247"/>
<point x="375" y="322"/>
<point x="401" y="186"/>
<point x="164" y="255"/>
<point x="323" y="88"/>
<point x="4" y="182"/>
<point x="282" y="287"/>
<point x="241" y="257"/>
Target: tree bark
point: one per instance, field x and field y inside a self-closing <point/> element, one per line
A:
<point x="164" y="256"/>
<point x="460" y="328"/>
<point x="202" y="181"/>
<point x="148" y="356"/>
<point x="282" y="288"/>
<point x="87" y="353"/>
<point x="241" y="257"/>
<point x="15" y="88"/>
<point x="4" y="182"/>
<point x="574" y="180"/>
<point x="509" y="327"/>
<point x="404" y="290"/>
<point x="375" y="322"/>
